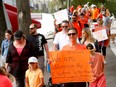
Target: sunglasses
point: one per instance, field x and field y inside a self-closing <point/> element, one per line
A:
<point x="71" y="34"/>
<point x="31" y="28"/>
<point x="65" y="26"/>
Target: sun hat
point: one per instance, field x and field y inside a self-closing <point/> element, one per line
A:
<point x="32" y="59"/>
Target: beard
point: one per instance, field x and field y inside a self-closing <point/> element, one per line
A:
<point x="74" y="20"/>
<point x="32" y="33"/>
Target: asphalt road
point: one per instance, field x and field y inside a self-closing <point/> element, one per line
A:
<point x="110" y="68"/>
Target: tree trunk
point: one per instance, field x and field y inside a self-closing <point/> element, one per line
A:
<point x="24" y="17"/>
<point x="3" y="26"/>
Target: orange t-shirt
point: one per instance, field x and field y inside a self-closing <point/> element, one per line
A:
<point x="78" y="27"/>
<point x="97" y="64"/>
<point x="95" y="13"/>
<point x="78" y="47"/>
<point x="83" y="21"/>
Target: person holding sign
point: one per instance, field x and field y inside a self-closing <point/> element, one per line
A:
<point x="97" y="65"/>
<point x="105" y="43"/>
<point x="73" y="45"/>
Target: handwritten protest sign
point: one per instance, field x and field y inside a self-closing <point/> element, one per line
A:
<point x="70" y="66"/>
<point x="100" y="35"/>
<point x="61" y="16"/>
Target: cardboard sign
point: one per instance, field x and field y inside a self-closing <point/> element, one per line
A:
<point x="100" y="35"/>
<point x="70" y="66"/>
<point x="61" y="16"/>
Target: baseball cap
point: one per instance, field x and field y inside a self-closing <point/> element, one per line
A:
<point x="18" y="35"/>
<point x="32" y="59"/>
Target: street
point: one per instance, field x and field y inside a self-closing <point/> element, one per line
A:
<point x="110" y="70"/>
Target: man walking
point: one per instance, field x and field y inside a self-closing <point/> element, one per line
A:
<point x="61" y="38"/>
<point x="40" y="43"/>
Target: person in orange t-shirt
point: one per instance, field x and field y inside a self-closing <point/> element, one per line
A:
<point x="95" y="12"/>
<point x="83" y="19"/>
<point x="77" y="24"/>
<point x="97" y="65"/>
<point x="73" y="45"/>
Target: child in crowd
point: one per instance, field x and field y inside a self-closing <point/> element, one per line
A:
<point x="97" y="64"/>
<point x="4" y="80"/>
<point x="34" y="75"/>
<point x="10" y="76"/>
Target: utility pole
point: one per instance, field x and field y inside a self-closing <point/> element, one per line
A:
<point x="3" y="26"/>
<point x="24" y="17"/>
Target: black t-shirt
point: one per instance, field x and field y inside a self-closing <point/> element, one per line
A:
<point x="38" y="41"/>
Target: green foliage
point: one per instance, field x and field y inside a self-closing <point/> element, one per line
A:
<point x="111" y="6"/>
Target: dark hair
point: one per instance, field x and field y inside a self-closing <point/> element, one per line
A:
<point x="94" y="20"/>
<point x="73" y="29"/>
<point x="9" y="32"/>
<point x="90" y="45"/>
<point x="18" y="35"/>
<point x="86" y="25"/>
<point x="65" y="21"/>
<point x="74" y="15"/>
<point x="81" y="14"/>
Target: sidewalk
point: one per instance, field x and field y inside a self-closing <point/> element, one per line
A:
<point x="110" y="68"/>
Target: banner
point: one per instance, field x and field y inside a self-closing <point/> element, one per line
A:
<point x="61" y="16"/>
<point x="100" y="35"/>
<point x="70" y="66"/>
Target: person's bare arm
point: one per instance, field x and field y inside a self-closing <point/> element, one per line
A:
<point x="26" y="82"/>
<point x="6" y="67"/>
<point x="47" y="50"/>
<point x="41" y="82"/>
<point x="55" y="47"/>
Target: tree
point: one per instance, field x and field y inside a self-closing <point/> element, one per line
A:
<point x="3" y="26"/>
<point x="24" y="17"/>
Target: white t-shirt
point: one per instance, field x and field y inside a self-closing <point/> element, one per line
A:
<point x="61" y="39"/>
<point x="106" y="21"/>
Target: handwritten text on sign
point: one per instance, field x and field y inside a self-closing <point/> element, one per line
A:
<point x="70" y="66"/>
<point x="100" y="35"/>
